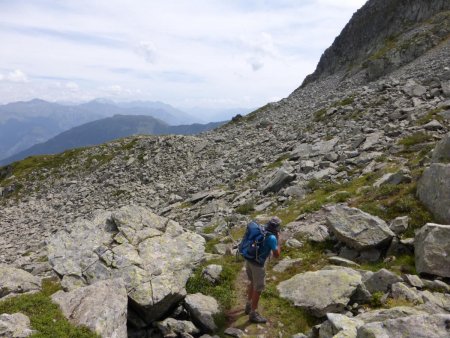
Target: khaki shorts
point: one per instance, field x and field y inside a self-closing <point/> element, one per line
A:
<point x="256" y="275"/>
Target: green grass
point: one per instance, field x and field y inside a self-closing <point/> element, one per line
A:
<point x="246" y="208"/>
<point x="389" y="44"/>
<point x="319" y="115"/>
<point x="416" y="138"/>
<point x="431" y="115"/>
<point x="224" y="292"/>
<point x="45" y="316"/>
<point x="401" y="264"/>
<point x="278" y="162"/>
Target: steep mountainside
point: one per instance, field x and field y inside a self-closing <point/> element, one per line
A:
<point x="108" y="129"/>
<point x="357" y="168"/>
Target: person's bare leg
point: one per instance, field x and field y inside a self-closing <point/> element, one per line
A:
<point x="249" y="292"/>
<point x="255" y="299"/>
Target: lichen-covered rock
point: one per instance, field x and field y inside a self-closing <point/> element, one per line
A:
<point x="356" y="228"/>
<point x="202" y="310"/>
<point x="212" y="273"/>
<point x="381" y="281"/>
<point x="152" y="254"/>
<point x="15" y="325"/>
<point x="392" y="313"/>
<point x="321" y="291"/>
<point x="16" y="281"/>
<point x="277" y="181"/>
<point x="432" y="249"/>
<point x="102" y="307"/>
<point x="420" y="326"/>
<point x="433" y="189"/>
<point x="338" y="325"/>
<point x="171" y="327"/>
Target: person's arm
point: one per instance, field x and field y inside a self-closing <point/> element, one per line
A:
<point x="277" y="251"/>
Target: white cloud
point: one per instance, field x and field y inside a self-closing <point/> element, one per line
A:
<point x="147" y="50"/>
<point x="14" y="76"/>
<point x="72" y="86"/>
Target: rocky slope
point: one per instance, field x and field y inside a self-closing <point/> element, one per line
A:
<point x="337" y="139"/>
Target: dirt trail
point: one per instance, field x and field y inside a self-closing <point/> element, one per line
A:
<point x="236" y="316"/>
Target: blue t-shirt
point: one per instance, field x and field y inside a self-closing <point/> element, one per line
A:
<point x="269" y="245"/>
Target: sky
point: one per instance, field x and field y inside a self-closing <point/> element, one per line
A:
<point x="196" y="53"/>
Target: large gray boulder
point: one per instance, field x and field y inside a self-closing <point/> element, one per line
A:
<point x="102" y="307"/>
<point x="15" y="325"/>
<point x="152" y="254"/>
<point x="306" y="150"/>
<point x="338" y="325"/>
<point x="420" y="326"/>
<point x="321" y="291"/>
<point x="356" y="228"/>
<point x="202" y="310"/>
<point x="16" y="281"/>
<point x="381" y="315"/>
<point x="381" y="281"/>
<point x="432" y="249"/>
<point x="433" y="188"/>
<point x="278" y="180"/>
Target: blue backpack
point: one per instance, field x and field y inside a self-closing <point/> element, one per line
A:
<point x="252" y="242"/>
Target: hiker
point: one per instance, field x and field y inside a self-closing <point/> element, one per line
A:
<point x="256" y="271"/>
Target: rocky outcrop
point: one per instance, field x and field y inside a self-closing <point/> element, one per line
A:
<point x="420" y="326"/>
<point x="15" y="325"/>
<point x="202" y="310"/>
<point x="432" y="249"/>
<point x="102" y="307"/>
<point x="279" y="179"/>
<point x="433" y="188"/>
<point x="321" y="291"/>
<point x="356" y="228"/>
<point x="16" y="281"/>
<point x="152" y="254"/>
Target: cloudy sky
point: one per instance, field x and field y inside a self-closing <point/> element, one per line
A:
<point x="205" y="53"/>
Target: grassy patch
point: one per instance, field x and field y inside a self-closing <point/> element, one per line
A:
<point x="45" y="316"/>
<point x="278" y="162"/>
<point x="431" y="115"/>
<point x="224" y="291"/>
<point x="246" y="208"/>
<point x="319" y="115"/>
<point x="416" y="138"/>
<point x="389" y="44"/>
<point x="401" y="264"/>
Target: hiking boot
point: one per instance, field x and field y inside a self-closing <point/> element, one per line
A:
<point x="248" y="308"/>
<point x="255" y="317"/>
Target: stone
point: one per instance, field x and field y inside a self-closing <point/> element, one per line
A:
<point x="401" y="291"/>
<point x="152" y="254"/>
<point x="293" y="243"/>
<point x="212" y="273"/>
<point x="371" y="141"/>
<point x="343" y="262"/>
<point x="16" y="281"/>
<point x="433" y="125"/>
<point x="381" y="281"/>
<point x="338" y="325"/>
<point x="356" y="228"/>
<point x="392" y="313"/>
<point x="311" y="231"/>
<point x="286" y="263"/>
<point x="171" y="326"/>
<point x="445" y="85"/>
<point x="306" y="150"/>
<point x="441" y="153"/>
<point x="397" y="178"/>
<point x="419" y="326"/>
<point x="102" y="307"/>
<point x="432" y="249"/>
<point x="202" y="310"/>
<point x="369" y="255"/>
<point x="399" y="224"/>
<point x="306" y="166"/>
<point x="278" y="180"/>
<point x="15" y="325"/>
<point x="321" y="291"/>
<point x="413" y="280"/>
<point x="234" y="332"/>
<point x="434" y="191"/>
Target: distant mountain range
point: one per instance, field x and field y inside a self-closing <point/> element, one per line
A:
<point x="107" y="129"/>
<point x="24" y="124"/>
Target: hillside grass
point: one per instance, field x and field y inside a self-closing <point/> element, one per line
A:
<point x="45" y="317"/>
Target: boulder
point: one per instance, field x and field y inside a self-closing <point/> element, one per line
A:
<point x="152" y="254"/>
<point x="15" y="325"/>
<point x="419" y="326"/>
<point x="306" y="150"/>
<point x="434" y="191"/>
<point x="356" y="228"/>
<point x="286" y="263"/>
<point x="212" y="273"/>
<point x="339" y="324"/>
<point x="381" y="281"/>
<point x="278" y="180"/>
<point x="102" y="307"/>
<point x="399" y="224"/>
<point x="16" y="281"/>
<point x="392" y="313"/>
<point x="441" y="153"/>
<point x="202" y="310"/>
<point x="314" y="232"/>
<point x="171" y="327"/>
<point x="321" y="291"/>
<point x="432" y="249"/>
<point x="401" y="291"/>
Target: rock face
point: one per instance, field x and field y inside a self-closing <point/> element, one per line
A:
<point x="102" y="307"/>
<point x="433" y="188"/>
<point x="152" y="254"/>
<point x="202" y="310"/>
<point x="16" y="325"/>
<point x="280" y="178"/>
<point x="321" y="291"/>
<point x="356" y="228"/>
<point x="432" y="249"/>
<point x="420" y="326"/>
<point x="15" y="281"/>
